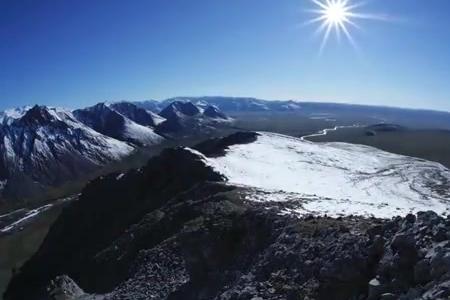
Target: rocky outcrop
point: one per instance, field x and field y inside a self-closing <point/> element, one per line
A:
<point x="414" y="263"/>
<point x="217" y="146"/>
<point x="64" y="288"/>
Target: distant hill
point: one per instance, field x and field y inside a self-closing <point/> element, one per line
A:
<point x="238" y="105"/>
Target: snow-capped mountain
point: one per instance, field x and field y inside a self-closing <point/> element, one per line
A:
<point x="225" y="104"/>
<point x="335" y="178"/>
<point x="42" y="146"/>
<point x="239" y="104"/>
<point x="186" y="117"/>
<point x="112" y="120"/>
<point x="179" y="109"/>
<point x="212" y="111"/>
<point x="139" y="115"/>
<point x="9" y="115"/>
<point x="151" y="105"/>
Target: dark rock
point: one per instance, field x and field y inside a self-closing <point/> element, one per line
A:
<point x="405" y="246"/>
<point x="375" y="230"/>
<point x="422" y="271"/>
<point x="427" y="217"/>
<point x="217" y="146"/>
<point x="410" y="218"/>
<point x="103" y="213"/>
<point x="440" y="264"/>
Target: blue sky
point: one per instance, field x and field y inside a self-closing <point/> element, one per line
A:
<point x="76" y="53"/>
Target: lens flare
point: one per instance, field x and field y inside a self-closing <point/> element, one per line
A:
<point x="337" y="16"/>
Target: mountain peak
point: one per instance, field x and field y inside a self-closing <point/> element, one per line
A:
<point x="137" y="114"/>
<point x="212" y="111"/>
<point x="179" y="109"/>
<point x="101" y="106"/>
<point x="39" y="115"/>
<point x="122" y="121"/>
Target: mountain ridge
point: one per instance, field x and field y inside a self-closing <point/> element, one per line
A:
<point x="195" y="234"/>
<point x="45" y="147"/>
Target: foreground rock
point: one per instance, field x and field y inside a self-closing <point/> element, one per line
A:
<point x="176" y="230"/>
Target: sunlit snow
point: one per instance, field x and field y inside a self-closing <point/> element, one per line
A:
<point x="337" y="178"/>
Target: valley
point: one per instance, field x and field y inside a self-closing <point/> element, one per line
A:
<point x="430" y="144"/>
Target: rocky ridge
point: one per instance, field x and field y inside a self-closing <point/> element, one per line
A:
<point x="176" y="230"/>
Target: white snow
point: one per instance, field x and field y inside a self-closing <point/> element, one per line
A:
<point x="156" y="118"/>
<point x="28" y="216"/>
<point x="75" y="138"/>
<point x="12" y="114"/>
<point x="337" y="178"/>
<point x="141" y="133"/>
<point x="95" y="144"/>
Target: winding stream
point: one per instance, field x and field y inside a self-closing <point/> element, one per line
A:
<point x="326" y="130"/>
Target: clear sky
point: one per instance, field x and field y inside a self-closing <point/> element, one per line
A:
<point x="75" y="53"/>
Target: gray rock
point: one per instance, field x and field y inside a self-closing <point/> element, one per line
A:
<point x="439" y="232"/>
<point x="64" y="288"/>
<point x="440" y="264"/>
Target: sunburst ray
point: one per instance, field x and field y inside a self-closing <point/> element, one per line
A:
<point x="337" y="16"/>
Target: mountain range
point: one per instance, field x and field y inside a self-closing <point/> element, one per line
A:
<point x="239" y="105"/>
<point x="42" y="147"/>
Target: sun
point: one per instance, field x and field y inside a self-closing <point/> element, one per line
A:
<point x="336" y="13"/>
<point x="337" y="16"/>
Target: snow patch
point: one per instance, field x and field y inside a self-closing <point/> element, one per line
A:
<point x="28" y="216"/>
<point x="141" y="133"/>
<point x="343" y="178"/>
